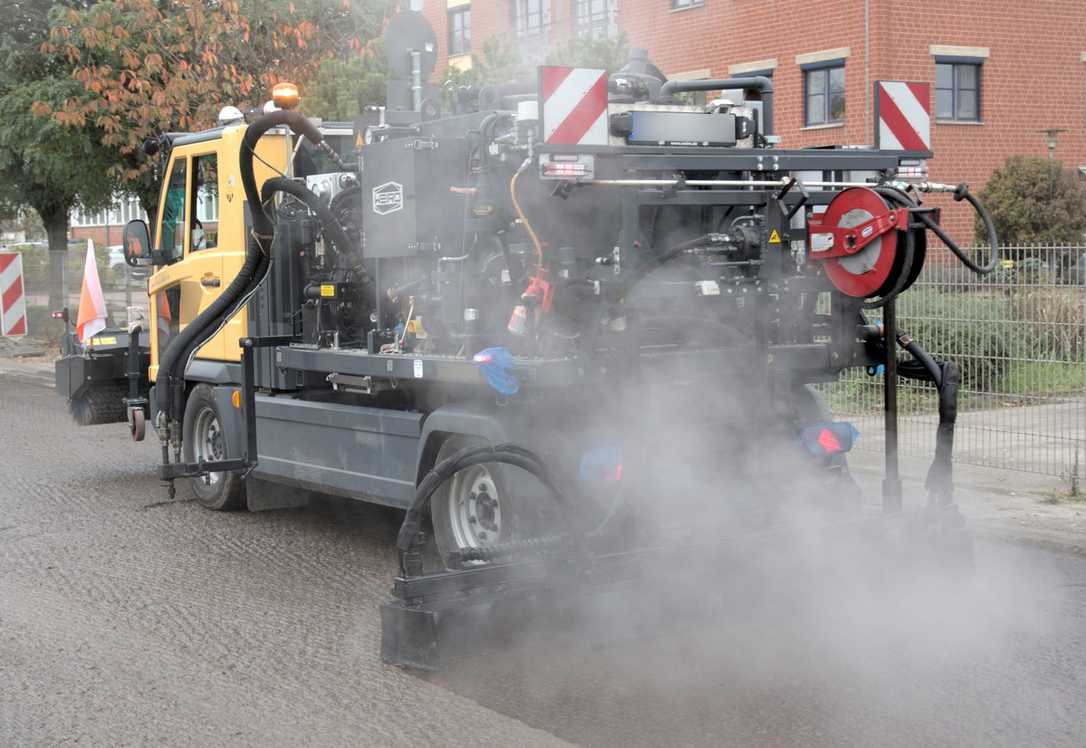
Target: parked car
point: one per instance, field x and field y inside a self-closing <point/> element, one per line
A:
<point x="119" y="269"/>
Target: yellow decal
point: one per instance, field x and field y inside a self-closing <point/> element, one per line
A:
<point x="328" y="290"/>
<point x="774" y="237"/>
<point x="107" y="340"/>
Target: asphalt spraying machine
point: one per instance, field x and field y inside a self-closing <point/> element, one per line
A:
<point x="559" y="326"/>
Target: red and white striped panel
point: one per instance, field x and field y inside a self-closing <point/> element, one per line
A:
<point x="12" y="295"/>
<point x="904" y="111"/>
<point x="574" y="105"/>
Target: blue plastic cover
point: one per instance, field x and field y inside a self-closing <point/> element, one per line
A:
<point x="497" y="366"/>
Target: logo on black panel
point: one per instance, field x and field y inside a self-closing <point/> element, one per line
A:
<point x="387" y="198"/>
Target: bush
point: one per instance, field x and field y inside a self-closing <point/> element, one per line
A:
<point x="1051" y="323"/>
<point x="972" y="329"/>
<point x="1035" y="200"/>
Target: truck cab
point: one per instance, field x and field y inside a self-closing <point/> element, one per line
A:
<point x="201" y="228"/>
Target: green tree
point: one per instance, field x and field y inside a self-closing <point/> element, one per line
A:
<point x="44" y="163"/>
<point x="500" y="62"/>
<point x="585" y="52"/>
<point x="1035" y="200"/>
<point x="344" y="84"/>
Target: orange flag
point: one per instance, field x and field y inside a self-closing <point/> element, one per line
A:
<point x="92" y="302"/>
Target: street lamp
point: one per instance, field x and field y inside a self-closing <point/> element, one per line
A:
<point x="1051" y="136"/>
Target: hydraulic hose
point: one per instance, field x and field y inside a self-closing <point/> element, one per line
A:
<point x="947" y="378"/>
<point x="332" y="228"/>
<point x="177" y="354"/>
<point x="961" y="192"/>
<point x="922" y="357"/>
<point x="409" y="535"/>
<point x="537" y="245"/>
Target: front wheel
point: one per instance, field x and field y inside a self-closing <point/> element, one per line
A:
<point x="204" y="438"/>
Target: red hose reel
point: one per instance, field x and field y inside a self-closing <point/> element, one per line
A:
<point x="860" y="238"/>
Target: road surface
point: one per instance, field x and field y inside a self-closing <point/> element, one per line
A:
<point x="128" y="619"/>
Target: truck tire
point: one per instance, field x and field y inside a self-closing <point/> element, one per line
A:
<point x="203" y="437"/>
<point x="472" y="508"/>
<point x="101" y="404"/>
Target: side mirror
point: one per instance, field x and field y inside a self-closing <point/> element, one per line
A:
<point x="137" y="244"/>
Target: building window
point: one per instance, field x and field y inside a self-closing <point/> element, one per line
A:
<point x="460" y="31"/>
<point x="679" y="4"/>
<point x="957" y="91"/>
<point x="824" y="94"/>
<point x="531" y="17"/>
<point x="594" y="19"/>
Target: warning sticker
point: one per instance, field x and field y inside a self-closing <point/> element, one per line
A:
<point x="774" y="237"/>
<point x="328" y="290"/>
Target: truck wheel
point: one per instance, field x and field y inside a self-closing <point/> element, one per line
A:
<point x="101" y="404"/>
<point x="472" y="509"/>
<point x="204" y="438"/>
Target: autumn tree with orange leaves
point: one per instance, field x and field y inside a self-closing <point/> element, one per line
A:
<point x="147" y="66"/>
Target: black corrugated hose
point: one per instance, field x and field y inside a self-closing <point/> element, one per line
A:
<point x="947" y="378"/>
<point x="410" y="531"/>
<point x="176" y="357"/>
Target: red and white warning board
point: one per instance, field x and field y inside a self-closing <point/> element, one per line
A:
<point x="574" y="105"/>
<point x="902" y="116"/>
<point x="12" y="295"/>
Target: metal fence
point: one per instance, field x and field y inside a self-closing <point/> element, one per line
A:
<point x="1018" y="336"/>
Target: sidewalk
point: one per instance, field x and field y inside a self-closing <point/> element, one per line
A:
<point x="1003" y="504"/>
<point x="28" y="358"/>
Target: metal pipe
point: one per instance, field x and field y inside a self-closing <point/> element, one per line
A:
<point x="767" y="183"/>
<point x="416" y="80"/>
<point x="891" y="483"/>
<point x="755" y="83"/>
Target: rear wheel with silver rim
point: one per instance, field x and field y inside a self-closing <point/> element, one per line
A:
<point x="205" y="440"/>
<point x="472" y="509"/>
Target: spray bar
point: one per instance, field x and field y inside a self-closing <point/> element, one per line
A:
<point x="766" y="183"/>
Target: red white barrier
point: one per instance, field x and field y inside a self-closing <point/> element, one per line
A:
<point x="574" y="105"/>
<point x="903" y="116"/>
<point x="12" y="296"/>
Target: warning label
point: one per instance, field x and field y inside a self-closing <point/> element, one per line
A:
<point x="774" y="237"/>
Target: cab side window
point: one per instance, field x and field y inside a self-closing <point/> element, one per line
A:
<point x="204" y="201"/>
<point x="171" y="240"/>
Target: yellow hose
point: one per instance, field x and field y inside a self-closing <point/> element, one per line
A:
<point x="524" y="219"/>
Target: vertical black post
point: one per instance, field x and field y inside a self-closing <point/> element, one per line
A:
<point x="132" y="365"/>
<point x="891" y="483"/>
<point x="248" y="394"/>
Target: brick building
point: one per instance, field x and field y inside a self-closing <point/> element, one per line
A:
<point x="1002" y="71"/>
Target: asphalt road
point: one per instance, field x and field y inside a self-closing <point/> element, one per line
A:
<point x="127" y="619"/>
